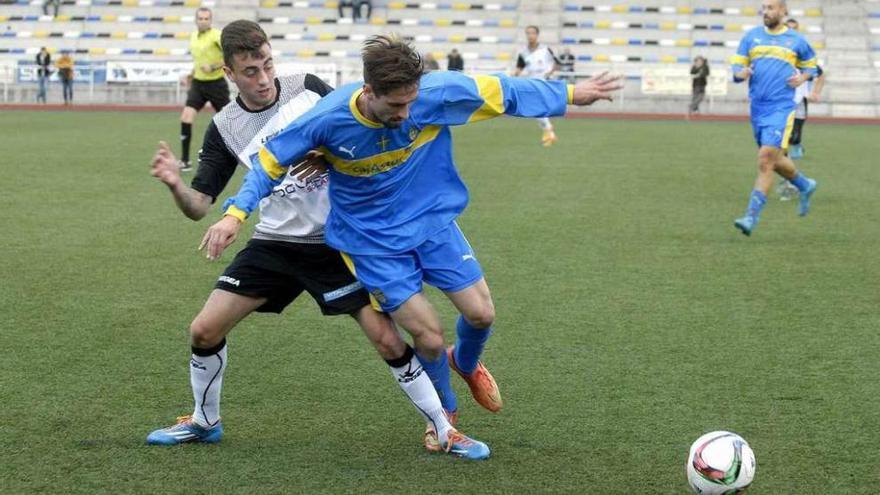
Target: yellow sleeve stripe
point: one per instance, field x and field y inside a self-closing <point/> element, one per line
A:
<point x="270" y="164"/>
<point x="739" y="60"/>
<point x="570" y="88"/>
<point x="807" y="64"/>
<point x="234" y="211"/>
<point x="489" y="88"/>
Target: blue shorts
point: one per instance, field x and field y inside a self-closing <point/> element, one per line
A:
<point x="445" y="260"/>
<point x="773" y="128"/>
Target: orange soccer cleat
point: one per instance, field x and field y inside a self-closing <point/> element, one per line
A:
<point x="482" y="385"/>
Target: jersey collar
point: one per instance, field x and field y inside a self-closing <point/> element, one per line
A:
<point x="781" y="29"/>
<point x="352" y="105"/>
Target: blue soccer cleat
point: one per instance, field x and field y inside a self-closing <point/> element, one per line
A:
<point x="459" y="445"/>
<point x="746" y="224"/>
<point x="804" y="207"/>
<point x="186" y="430"/>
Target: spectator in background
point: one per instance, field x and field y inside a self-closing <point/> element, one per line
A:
<point x="454" y="61"/>
<point x="566" y="65"/>
<point x="345" y="3"/>
<point x="44" y="61"/>
<point x="431" y="62"/>
<point x="356" y="8"/>
<point x="56" y="4"/>
<point x="699" y="77"/>
<point x="65" y="73"/>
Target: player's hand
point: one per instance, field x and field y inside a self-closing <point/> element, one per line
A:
<point x="164" y="166"/>
<point x="313" y="166"/>
<point x="798" y="79"/>
<point x="220" y="236"/>
<point x="206" y="68"/>
<point x="596" y="88"/>
<point x="744" y="74"/>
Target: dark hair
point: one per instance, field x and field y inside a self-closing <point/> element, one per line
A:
<point x="390" y="63"/>
<point x="241" y="36"/>
<point x="537" y="30"/>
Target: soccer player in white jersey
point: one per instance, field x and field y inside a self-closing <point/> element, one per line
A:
<point x="538" y="61"/>
<point x="287" y="254"/>
<point x="803" y="95"/>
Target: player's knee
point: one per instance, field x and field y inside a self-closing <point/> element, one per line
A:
<point x="203" y="335"/>
<point x="482" y="316"/>
<point x="389" y="345"/>
<point x="429" y="345"/>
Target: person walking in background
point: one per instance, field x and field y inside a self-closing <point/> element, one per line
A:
<point x="699" y="78"/>
<point x="454" y="61"/>
<point x="208" y="82"/>
<point x="537" y="61"/>
<point x="44" y="61"/>
<point x="65" y="73"/>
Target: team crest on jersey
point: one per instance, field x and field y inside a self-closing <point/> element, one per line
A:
<point x="379" y="295"/>
<point x="413" y="134"/>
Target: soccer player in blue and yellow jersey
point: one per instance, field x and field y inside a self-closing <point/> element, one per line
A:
<point x="775" y="60"/>
<point x="395" y="193"/>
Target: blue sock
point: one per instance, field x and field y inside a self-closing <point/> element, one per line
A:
<point x="438" y="372"/>
<point x="469" y="345"/>
<point x="757" y="200"/>
<point x="800" y="181"/>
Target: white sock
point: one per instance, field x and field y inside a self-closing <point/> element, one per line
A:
<point x="206" y="377"/>
<point x="414" y="381"/>
<point x="545" y="124"/>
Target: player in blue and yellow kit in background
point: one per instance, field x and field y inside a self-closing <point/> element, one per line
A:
<point x="395" y="193"/>
<point x="775" y="60"/>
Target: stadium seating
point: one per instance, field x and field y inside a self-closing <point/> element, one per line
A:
<point x="603" y="34"/>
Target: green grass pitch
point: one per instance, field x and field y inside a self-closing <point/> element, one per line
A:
<point x="631" y="318"/>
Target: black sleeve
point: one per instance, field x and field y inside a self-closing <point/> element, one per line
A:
<point x="520" y="62"/>
<point x="555" y="58"/>
<point x="216" y="164"/>
<point x="316" y="84"/>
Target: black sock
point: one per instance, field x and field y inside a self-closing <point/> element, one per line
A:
<point x="185" y="136"/>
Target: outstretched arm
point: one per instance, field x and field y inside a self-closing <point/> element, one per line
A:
<point x="164" y="167"/>
<point x="459" y="99"/>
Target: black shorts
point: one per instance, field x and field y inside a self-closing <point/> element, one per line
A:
<point x="281" y="271"/>
<point x="201" y="92"/>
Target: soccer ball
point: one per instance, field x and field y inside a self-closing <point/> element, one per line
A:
<point x="720" y="463"/>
